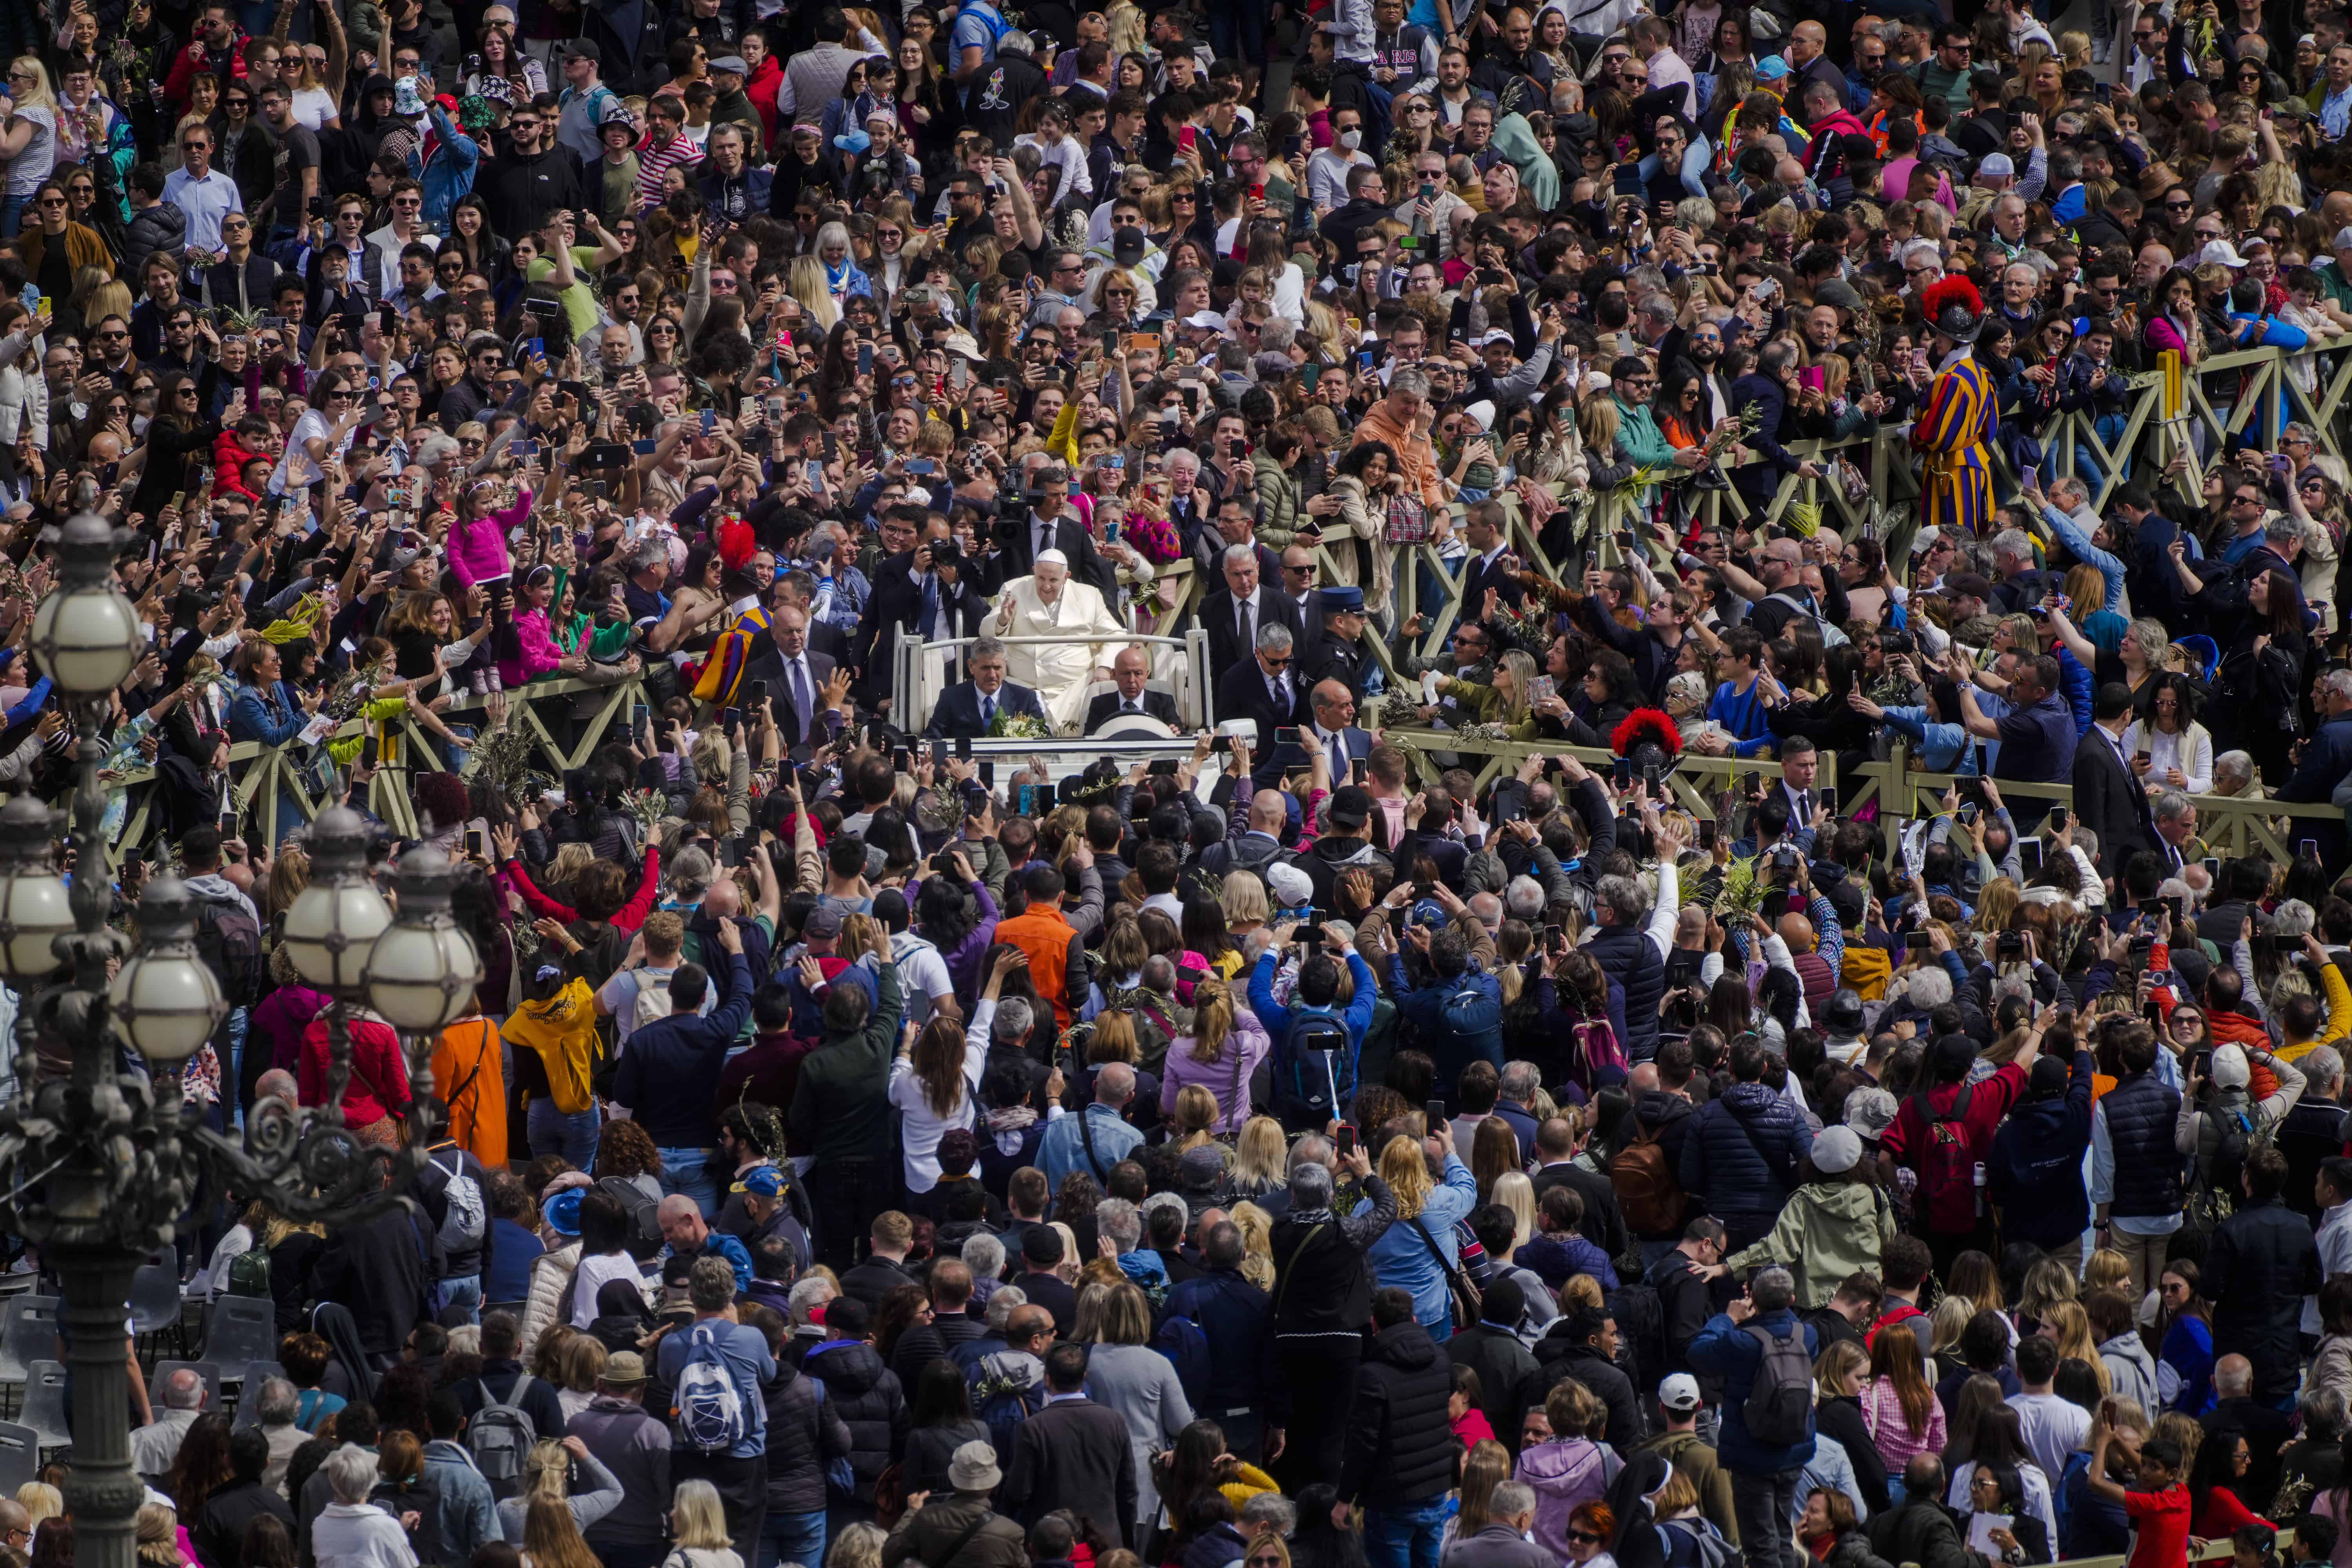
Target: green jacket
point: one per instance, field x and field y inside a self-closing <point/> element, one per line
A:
<point x="841" y="1108"/>
<point x="1278" y="503"/>
<point x="1638" y="437"/>
<point x="1830" y="1229"/>
<point x="1484" y="704"/>
<point x="603" y="642"/>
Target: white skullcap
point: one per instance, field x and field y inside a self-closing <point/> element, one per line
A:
<point x="1052" y="558"/>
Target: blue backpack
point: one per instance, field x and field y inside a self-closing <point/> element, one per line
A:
<point x="707" y="1406"/>
<point x="1179" y="1339"/>
<point x="1315" y="1068"/>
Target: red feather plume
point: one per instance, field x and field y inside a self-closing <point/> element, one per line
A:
<point x="1952" y="290"/>
<point x="1645" y="724"/>
<point x="737" y="543"/>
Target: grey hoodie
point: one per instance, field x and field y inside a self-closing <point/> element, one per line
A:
<point x="2130" y="1368"/>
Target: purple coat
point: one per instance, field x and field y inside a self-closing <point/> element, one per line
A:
<point x="964" y="959"/>
<point x="1228" y="1078"/>
<point x="280" y="1020"/>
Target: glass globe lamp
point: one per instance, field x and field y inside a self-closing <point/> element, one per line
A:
<point x="335" y="921"/>
<point x="34" y="908"/>
<point x="86" y="635"/>
<point x="165" y="997"/>
<point x="423" y="970"/>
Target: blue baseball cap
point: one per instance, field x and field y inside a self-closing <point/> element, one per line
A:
<point x="1771" y="68"/>
<point x="766" y="1182"/>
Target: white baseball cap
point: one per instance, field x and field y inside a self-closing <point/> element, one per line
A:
<point x="1679" y="1393"/>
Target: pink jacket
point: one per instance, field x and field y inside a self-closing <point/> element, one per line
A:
<point x="539" y="653"/>
<point x="477" y="550"/>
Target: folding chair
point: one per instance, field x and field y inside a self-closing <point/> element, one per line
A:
<point x="28" y="1332"/>
<point x="240" y="1329"/>
<point x="44" y="1410"/>
<point x="20" y="1456"/>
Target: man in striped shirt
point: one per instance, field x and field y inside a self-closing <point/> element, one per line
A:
<point x="667" y="147"/>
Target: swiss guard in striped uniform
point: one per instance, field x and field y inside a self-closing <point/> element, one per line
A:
<point x="1956" y="427"/>
<point x="721" y="676"/>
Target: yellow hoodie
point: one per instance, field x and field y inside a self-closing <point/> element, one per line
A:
<point x="562" y="1030"/>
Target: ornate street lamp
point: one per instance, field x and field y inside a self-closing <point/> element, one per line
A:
<point x="337" y="918"/>
<point x="33" y="909"/>
<point x="422" y="971"/>
<point x="97" y="1167"/>
<point x="165" y="997"/>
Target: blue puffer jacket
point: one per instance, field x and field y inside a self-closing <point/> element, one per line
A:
<point x="1728" y="1350"/>
<point x="1742" y="1156"/>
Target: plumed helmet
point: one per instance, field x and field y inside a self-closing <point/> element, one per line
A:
<point x="1954" y="308"/>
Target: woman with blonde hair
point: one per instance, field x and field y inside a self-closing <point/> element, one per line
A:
<point x="551" y="1538"/>
<point x="1516" y="1191"/>
<point x="1407" y="1254"/>
<point x="2047" y="1284"/>
<point x="1225" y="1045"/>
<point x="583" y="1364"/>
<point x="2068" y="1323"/>
<point x="1243" y="899"/>
<point x="1261" y="1160"/>
<point x="1192" y="1116"/>
<point x="546" y="1481"/>
<point x="1115" y="298"/>
<point x="1257" y="1227"/>
<point x="28" y="140"/>
<point x="698" y="1529"/>
<point x="40" y="1502"/>
<point x="804" y="281"/>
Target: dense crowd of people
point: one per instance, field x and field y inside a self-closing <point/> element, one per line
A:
<point x="871" y="1142"/>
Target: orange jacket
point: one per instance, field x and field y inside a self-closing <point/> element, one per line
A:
<point x="1046" y="938"/>
<point x="469" y="1075"/>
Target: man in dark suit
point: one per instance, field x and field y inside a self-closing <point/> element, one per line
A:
<point x="1332" y="707"/>
<point x="1047" y="525"/>
<point x="1263" y="687"/>
<point x="796" y="675"/>
<point x="927" y="592"/>
<point x="969" y="706"/>
<point x="798" y="589"/>
<point x="1603" y="1225"/>
<point x="1300" y="570"/>
<point x="1073" y="1454"/>
<point x="1131" y="670"/>
<point x="1490" y="564"/>
<point x="2109" y="798"/>
<point x="1770" y="386"/>
<point x="1246" y="599"/>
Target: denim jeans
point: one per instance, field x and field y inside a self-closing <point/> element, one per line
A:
<point x="12" y="215"/>
<point x="553" y="1133"/>
<point x="459" y="1291"/>
<point x="793" y="1538"/>
<point x="1405" y="1537"/>
<point x="1764" y="1506"/>
<point x="687" y="1171"/>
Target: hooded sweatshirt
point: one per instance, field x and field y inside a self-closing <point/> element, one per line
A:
<point x="1830" y="1230"/>
<point x="562" y="1030"/>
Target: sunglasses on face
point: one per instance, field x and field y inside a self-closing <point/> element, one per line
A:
<point x="1583" y="1538"/>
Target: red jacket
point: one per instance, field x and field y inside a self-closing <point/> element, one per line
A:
<point x="197" y="58"/>
<point x="1821" y="159"/>
<point x="1987" y="1105"/>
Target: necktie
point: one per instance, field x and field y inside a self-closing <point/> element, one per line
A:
<point x="1242" y="628"/>
<point x="987" y="711"/>
<point x="1130" y="708"/>
<point x="803" y="704"/>
<point x="1338" y="759"/>
<point x="1281" y="696"/>
<point x="1804" y="808"/>
<point x="930" y="618"/>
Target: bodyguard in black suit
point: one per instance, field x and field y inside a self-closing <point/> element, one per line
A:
<point x="1770" y="387"/>
<point x="927" y="590"/>
<point x="1490" y="564"/>
<point x="1045" y="526"/>
<point x="1264" y="688"/>
<point x="962" y="709"/>
<point x="1221" y="615"/>
<point x="2109" y="799"/>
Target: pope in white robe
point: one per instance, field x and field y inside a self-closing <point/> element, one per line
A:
<point x="1051" y="605"/>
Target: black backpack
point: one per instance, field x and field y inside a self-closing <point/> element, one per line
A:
<point x="644" y="1215"/>
<point x="229" y="941"/>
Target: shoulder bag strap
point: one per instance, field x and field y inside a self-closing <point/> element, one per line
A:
<point x="1453" y="1275"/>
<point x="1290" y="1273"/>
<point x="964" y="1539"/>
<point x="1087" y="1136"/>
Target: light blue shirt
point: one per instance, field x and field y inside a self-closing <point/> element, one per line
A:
<point x="204" y="203"/>
<point x="1064" y="1148"/>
